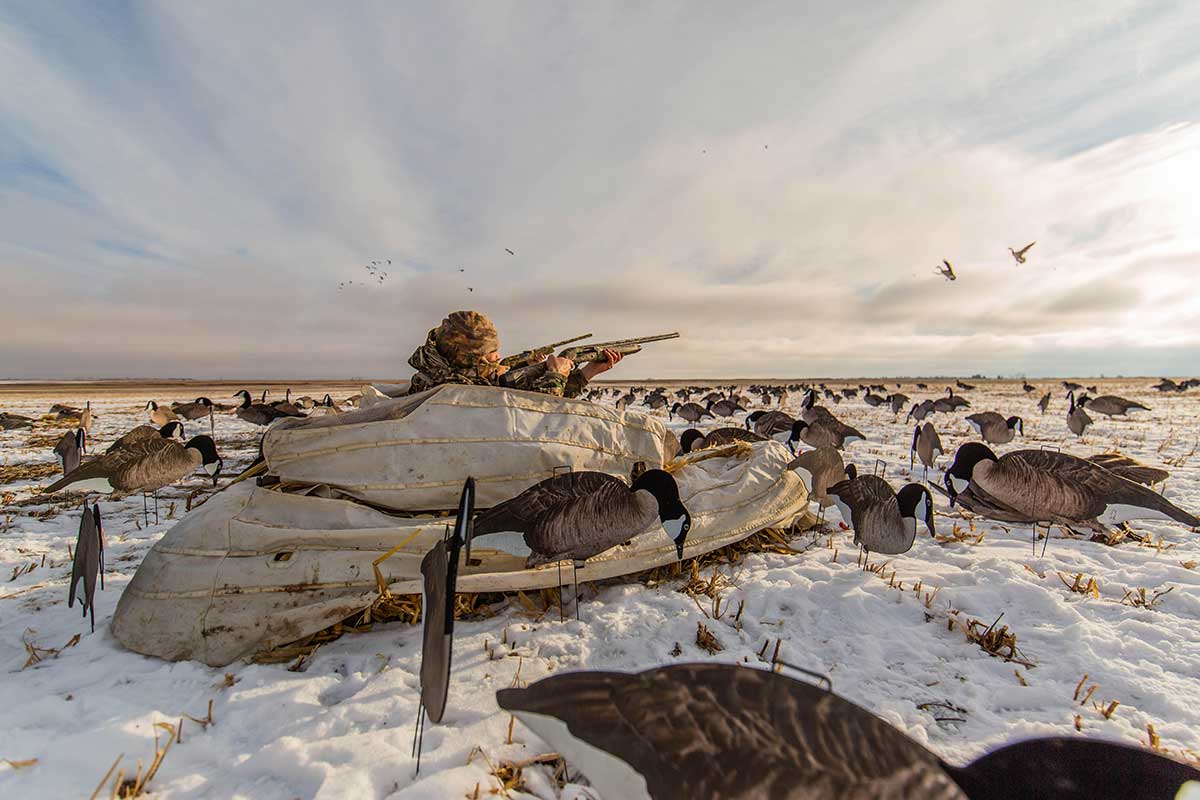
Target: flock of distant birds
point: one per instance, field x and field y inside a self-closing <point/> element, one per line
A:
<point x="946" y="269"/>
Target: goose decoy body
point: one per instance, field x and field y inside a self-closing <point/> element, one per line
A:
<point x="771" y="424"/>
<point x="10" y="422"/>
<point x="926" y="444"/>
<point x="144" y="465"/>
<point x="724" y="408"/>
<point x="201" y="407"/>
<point x="951" y="402"/>
<point x="920" y="411"/>
<point x="966" y="387"/>
<point x="1071" y="386"/>
<point x="286" y="405"/>
<point x="710" y="731"/>
<point x="1129" y="468"/>
<point x="70" y="449"/>
<point x="692" y="412"/>
<point x="259" y="413"/>
<point x="994" y="428"/>
<point x="692" y="440"/>
<point x="819" y="469"/>
<point x="88" y="561"/>
<point x="654" y="401"/>
<point x="1111" y="405"/>
<point x="823" y="433"/>
<point x="1077" y="419"/>
<point x="160" y="416"/>
<point x="326" y="406"/>
<point x="1044" y="403"/>
<point x="168" y="431"/>
<point x="1048" y="487"/>
<point x="1019" y="255"/>
<point x="896" y="402"/>
<point x="580" y="514"/>
<point x="1028" y="387"/>
<point x="884" y="521"/>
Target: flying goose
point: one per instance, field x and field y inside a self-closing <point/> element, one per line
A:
<point x="724" y="408"/>
<point x="926" y="444"/>
<point x="1019" y="255"/>
<point x="692" y="440"/>
<point x="821" y="468"/>
<point x="771" y="424"/>
<point x="951" y="402"/>
<point x="692" y="412"/>
<point x="708" y="730"/>
<point x="1130" y="469"/>
<point x="1111" y="405"/>
<point x="823" y="433"/>
<point x="160" y="416"/>
<point x="144" y="465"/>
<point x="1047" y="487"/>
<point x="1077" y="419"/>
<point x="259" y="413"/>
<point x="994" y="428"/>
<point x="883" y="521"/>
<point x="1044" y="403"/>
<point x="946" y="271"/>
<point x="201" y="407"/>
<point x="88" y="561"/>
<point x="580" y="514"/>
<point x="70" y="449"/>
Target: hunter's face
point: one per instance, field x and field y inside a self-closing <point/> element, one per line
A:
<point x="493" y="356"/>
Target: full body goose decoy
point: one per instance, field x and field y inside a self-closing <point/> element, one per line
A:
<point x="259" y="413"/>
<point x="951" y="402"/>
<point x="819" y="469"/>
<point x="823" y="433"/>
<point x="1111" y="405"/>
<point x="896" y="402"/>
<point x="1044" y="403"/>
<point x="200" y="407"/>
<point x="926" y="444"/>
<point x="771" y="424"/>
<point x="1129" y="469"/>
<point x="160" y="416"/>
<point x="143" y="465"/>
<point x="725" y="408"/>
<point x="1019" y="255"/>
<point x="920" y="411"/>
<point x="70" y="449"/>
<point x="994" y="428"/>
<point x="286" y="405"/>
<point x="10" y="422"/>
<point x="88" y="561"/>
<point x="168" y="431"/>
<point x="883" y="521"/>
<point x="1072" y="386"/>
<point x="692" y="440"/>
<point x="966" y="387"/>
<point x="1047" y="487"/>
<point x="874" y="400"/>
<point x="1027" y="387"/>
<point x="580" y="514"/>
<point x="712" y="731"/>
<point x="1077" y="419"/>
<point x="692" y="412"/>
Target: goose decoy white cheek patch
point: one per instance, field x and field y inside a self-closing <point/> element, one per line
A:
<point x="674" y="527"/>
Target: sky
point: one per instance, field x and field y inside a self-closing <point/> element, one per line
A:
<point x="183" y="186"/>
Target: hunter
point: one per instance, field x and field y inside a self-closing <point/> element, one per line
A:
<point x="465" y="348"/>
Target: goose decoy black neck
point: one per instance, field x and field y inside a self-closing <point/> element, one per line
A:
<point x="916" y="504"/>
<point x="171" y="429"/>
<point x="959" y="474"/>
<point x="209" y="459"/>
<point x="688" y="440"/>
<point x="676" y="520"/>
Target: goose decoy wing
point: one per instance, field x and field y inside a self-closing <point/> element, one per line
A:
<point x="871" y="501"/>
<point x="1129" y="469"/>
<point x="526" y="509"/>
<point x="679" y="731"/>
<point x="140" y="433"/>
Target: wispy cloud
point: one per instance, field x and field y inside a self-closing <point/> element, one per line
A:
<point x="184" y="185"/>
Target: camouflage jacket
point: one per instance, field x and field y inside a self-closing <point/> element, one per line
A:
<point x="433" y="369"/>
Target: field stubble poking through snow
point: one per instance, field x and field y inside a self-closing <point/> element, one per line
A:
<point x="1092" y="651"/>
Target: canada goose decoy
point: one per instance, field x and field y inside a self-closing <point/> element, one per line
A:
<point x="144" y="465"/>
<point x="1048" y="487"/>
<point x="823" y="433"/>
<point x="1044" y="403"/>
<point x="577" y="515"/>
<point x="896" y="402"/>
<point x="9" y="422"/>
<point x="326" y="406"/>
<point x="1071" y="386"/>
<point x="710" y="731"/>
<point x="724" y="408"/>
<point x="1027" y="387"/>
<point x="951" y="402"/>
<point x="88" y="561"/>
<point x="1019" y="255"/>
<point x="966" y="387"/>
<point x="160" y="416"/>
<point x="286" y="406"/>
<point x="168" y="431"/>
<point x="771" y="424"/>
<point x="946" y="271"/>
<point x="85" y="419"/>
<point x="691" y="412"/>
<point x="994" y="428"/>
<point x="920" y="411"/>
<point x="1077" y="419"/>
<point x="819" y="469"/>
<point x="1093" y="390"/>
<point x="1111" y="405"/>
<point x="884" y="521"/>
<point x="874" y="400"/>
<point x="692" y="440"/>
<point x="654" y="401"/>
<point x="1129" y="469"/>
<point x="201" y="407"/>
<point x="259" y="413"/>
<point x="70" y="449"/>
<point x="926" y="444"/>
<point x="810" y="412"/>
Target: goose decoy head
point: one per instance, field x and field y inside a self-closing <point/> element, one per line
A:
<point x="1017" y="424"/>
<point x="916" y="504"/>
<point x="171" y="430"/>
<point x="949" y="391"/>
<point x="687" y="441"/>
<point x="204" y="401"/>
<point x="808" y="400"/>
<point x="851" y="472"/>
<point x="753" y="418"/>
<point x="959" y="474"/>
<point x="671" y="412"/>
<point x="793" y="441"/>
<point x="676" y="520"/>
<point x="151" y="405"/>
<point x="81" y="439"/>
<point x="916" y="437"/>
<point x="210" y="460"/>
<point x="245" y="395"/>
<point x="264" y="395"/>
<point x="328" y="401"/>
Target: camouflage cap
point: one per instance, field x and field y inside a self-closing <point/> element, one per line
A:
<point x="465" y="337"/>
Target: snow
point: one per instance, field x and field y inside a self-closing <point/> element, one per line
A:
<point x="343" y="726"/>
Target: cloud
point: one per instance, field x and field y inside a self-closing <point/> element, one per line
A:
<point x="185" y="186"/>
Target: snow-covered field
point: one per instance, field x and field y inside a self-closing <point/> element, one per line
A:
<point x="343" y="726"/>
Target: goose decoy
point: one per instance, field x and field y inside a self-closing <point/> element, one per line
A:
<point x="771" y="424"/>
<point x="1168" y="385"/>
<point x="1044" y="403"/>
<point x="823" y="433"/>
<point x="1071" y="386"/>
<point x="286" y="405"/>
<point x="710" y="731"/>
<point x="1027" y="387"/>
<point x="810" y="412"/>
<point x="580" y="514"/>
<point x="926" y="444"/>
<point x="85" y="419"/>
<point x="1111" y="405"/>
<point x="994" y="428"/>
<point x="896" y="402"/>
<point x="920" y="411"/>
<point x="884" y="521"/>
<point x="88" y="561"/>
<point x="1093" y="390"/>
<point x="692" y="440"/>
<point x="946" y="271"/>
<point x="327" y="406"/>
<point x="966" y="387"/>
<point x="1047" y="487"/>
<point x="160" y="416"/>
<point x="70" y="449"/>
<point x="1077" y="419"/>
<point x="259" y="413"/>
<point x="874" y="400"/>
<point x="1129" y="469"/>
<point x="951" y="402"/>
<point x="201" y="407"/>
<point x="168" y="431"/>
<point x="9" y="422"/>
<point x="724" y="408"/>
<point x="819" y="469"/>
<point x="691" y="412"/>
<point x="144" y="465"/>
<point x="1019" y="255"/>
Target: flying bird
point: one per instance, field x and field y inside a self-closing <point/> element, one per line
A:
<point x="1019" y="255"/>
<point x="510" y="252"/>
<point x="946" y="272"/>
